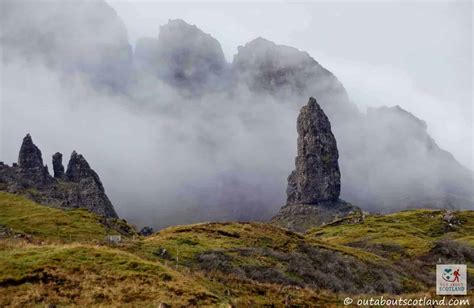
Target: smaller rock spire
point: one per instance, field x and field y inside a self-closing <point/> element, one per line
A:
<point x="29" y="156"/>
<point x="78" y="168"/>
<point x="92" y="190"/>
<point x="58" y="167"/>
<point x="30" y="163"/>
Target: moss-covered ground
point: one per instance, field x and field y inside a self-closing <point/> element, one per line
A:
<point x="53" y="256"/>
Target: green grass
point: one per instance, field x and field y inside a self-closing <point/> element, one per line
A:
<point x="60" y="258"/>
<point x="187" y="241"/>
<point x="88" y="275"/>
<point x="413" y="231"/>
<point x="50" y="224"/>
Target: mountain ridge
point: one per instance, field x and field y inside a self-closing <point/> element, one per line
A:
<point x="261" y="72"/>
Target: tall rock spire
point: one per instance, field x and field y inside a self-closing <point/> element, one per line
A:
<point x="317" y="177"/>
<point x="314" y="186"/>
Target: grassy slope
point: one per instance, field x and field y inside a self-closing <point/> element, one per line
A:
<point x="59" y="257"/>
<point x="63" y="260"/>
<point x="45" y="223"/>
<point x="85" y="275"/>
<point x="412" y="232"/>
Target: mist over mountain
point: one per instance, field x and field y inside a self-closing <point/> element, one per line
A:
<point x="184" y="57"/>
<point x="179" y="135"/>
<point x="75" y="37"/>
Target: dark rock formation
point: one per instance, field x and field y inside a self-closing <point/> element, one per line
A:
<point x="30" y="164"/>
<point x="314" y="186"/>
<point x="58" y="167"/>
<point x="80" y="187"/>
<point x="90" y="193"/>
<point x="29" y="156"/>
<point x="78" y="169"/>
<point x="317" y="177"/>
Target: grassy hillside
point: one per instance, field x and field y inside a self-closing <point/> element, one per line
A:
<point x="51" y="256"/>
<point x="43" y="223"/>
<point x="407" y="233"/>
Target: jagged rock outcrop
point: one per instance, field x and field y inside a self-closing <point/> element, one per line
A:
<point x="58" y="167"/>
<point x="79" y="187"/>
<point x="78" y="169"/>
<point x="30" y="164"/>
<point x="314" y="186"/>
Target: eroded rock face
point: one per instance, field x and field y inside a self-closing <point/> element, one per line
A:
<point x="79" y="187"/>
<point x="90" y="193"/>
<point x="79" y="169"/>
<point x="58" y="167"/>
<point x="30" y="164"/>
<point x="314" y="186"/>
<point x="29" y="156"/>
<point x="317" y="177"/>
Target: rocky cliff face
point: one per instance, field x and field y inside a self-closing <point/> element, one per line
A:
<point x="314" y="186"/>
<point x="79" y="187"/>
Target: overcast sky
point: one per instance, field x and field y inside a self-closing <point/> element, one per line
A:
<point x="414" y="54"/>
